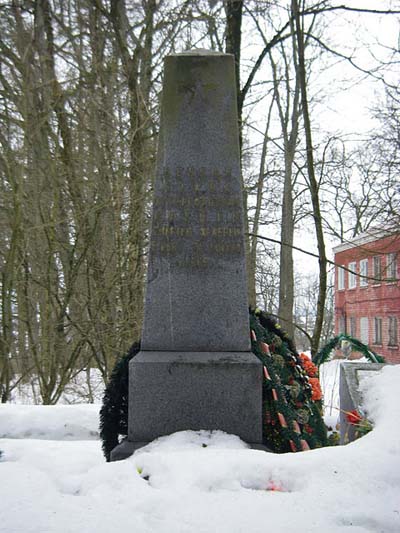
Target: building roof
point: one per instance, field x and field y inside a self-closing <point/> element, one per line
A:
<point x="371" y="235"/>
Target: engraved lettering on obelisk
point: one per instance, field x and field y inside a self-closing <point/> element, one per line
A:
<point x="195" y="228"/>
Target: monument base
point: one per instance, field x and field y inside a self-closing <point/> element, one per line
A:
<point x="128" y="448"/>
<point x="178" y="391"/>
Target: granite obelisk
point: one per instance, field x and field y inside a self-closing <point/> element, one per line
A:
<point x="195" y="369"/>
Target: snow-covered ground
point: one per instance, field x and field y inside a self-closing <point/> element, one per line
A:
<point x="196" y="482"/>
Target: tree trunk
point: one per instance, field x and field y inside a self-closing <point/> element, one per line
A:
<point x="289" y="120"/>
<point x="234" y="10"/>
<point x="312" y="182"/>
<point x="137" y="70"/>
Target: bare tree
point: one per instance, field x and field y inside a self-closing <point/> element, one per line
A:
<point x="77" y="148"/>
<point x="312" y="181"/>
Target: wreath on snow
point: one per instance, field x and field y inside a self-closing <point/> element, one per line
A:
<point x="292" y="406"/>
<point x="356" y="345"/>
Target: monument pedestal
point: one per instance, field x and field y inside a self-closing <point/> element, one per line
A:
<point x="175" y="391"/>
<point x="178" y="391"/>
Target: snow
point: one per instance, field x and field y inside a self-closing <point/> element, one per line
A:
<point x="49" y="422"/>
<point x="197" y="482"/>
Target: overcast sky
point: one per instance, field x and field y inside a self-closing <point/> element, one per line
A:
<point x="368" y="38"/>
<point x="348" y="95"/>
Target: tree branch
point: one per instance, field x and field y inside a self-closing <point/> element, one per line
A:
<point x="278" y="37"/>
<point x="342" y="7"/>
<point x="276" y="241"/>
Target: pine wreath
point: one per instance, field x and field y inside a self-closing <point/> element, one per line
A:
<point x="114" y="411"/>
<point x="292" y="407"/>
<point x="358" y="346"/>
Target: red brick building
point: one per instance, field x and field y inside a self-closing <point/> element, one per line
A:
<point x="367" y="291"/>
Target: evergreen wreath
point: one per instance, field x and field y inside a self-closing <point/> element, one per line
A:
<point x="114" y="411"/>
<point x="323" y="355"/>
<point x="292" y="396"/>
<point x="292" y="407"/>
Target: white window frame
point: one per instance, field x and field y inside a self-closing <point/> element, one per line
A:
<point x="352" y="278"/>
<point x="364" y="272"/>
<point x="391" y="265"/>
<point x="340" y="278"/>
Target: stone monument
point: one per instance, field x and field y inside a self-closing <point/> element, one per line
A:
<point x="195" y="369"/>
<point x="351" y="374"/>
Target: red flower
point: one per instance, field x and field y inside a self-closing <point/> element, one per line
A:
<point x="274" y="486"/>
<point x="353" y="417"/>
<point x="316" y="389"/>
<point x="308" y="365"/>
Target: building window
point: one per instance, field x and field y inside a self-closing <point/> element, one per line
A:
<point x="363" y="272"/>
<point x="353" y="326"/>
<point x="377" y="330"/>
<point x="393" y="339"/>
<point x="340" y="282"/>
<point x="391" y="266"/>
<point x="342" y="325"/>
<point x="377" y="269"/>
<point x="364" y="332"/>
<point x="352" y="275"/>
